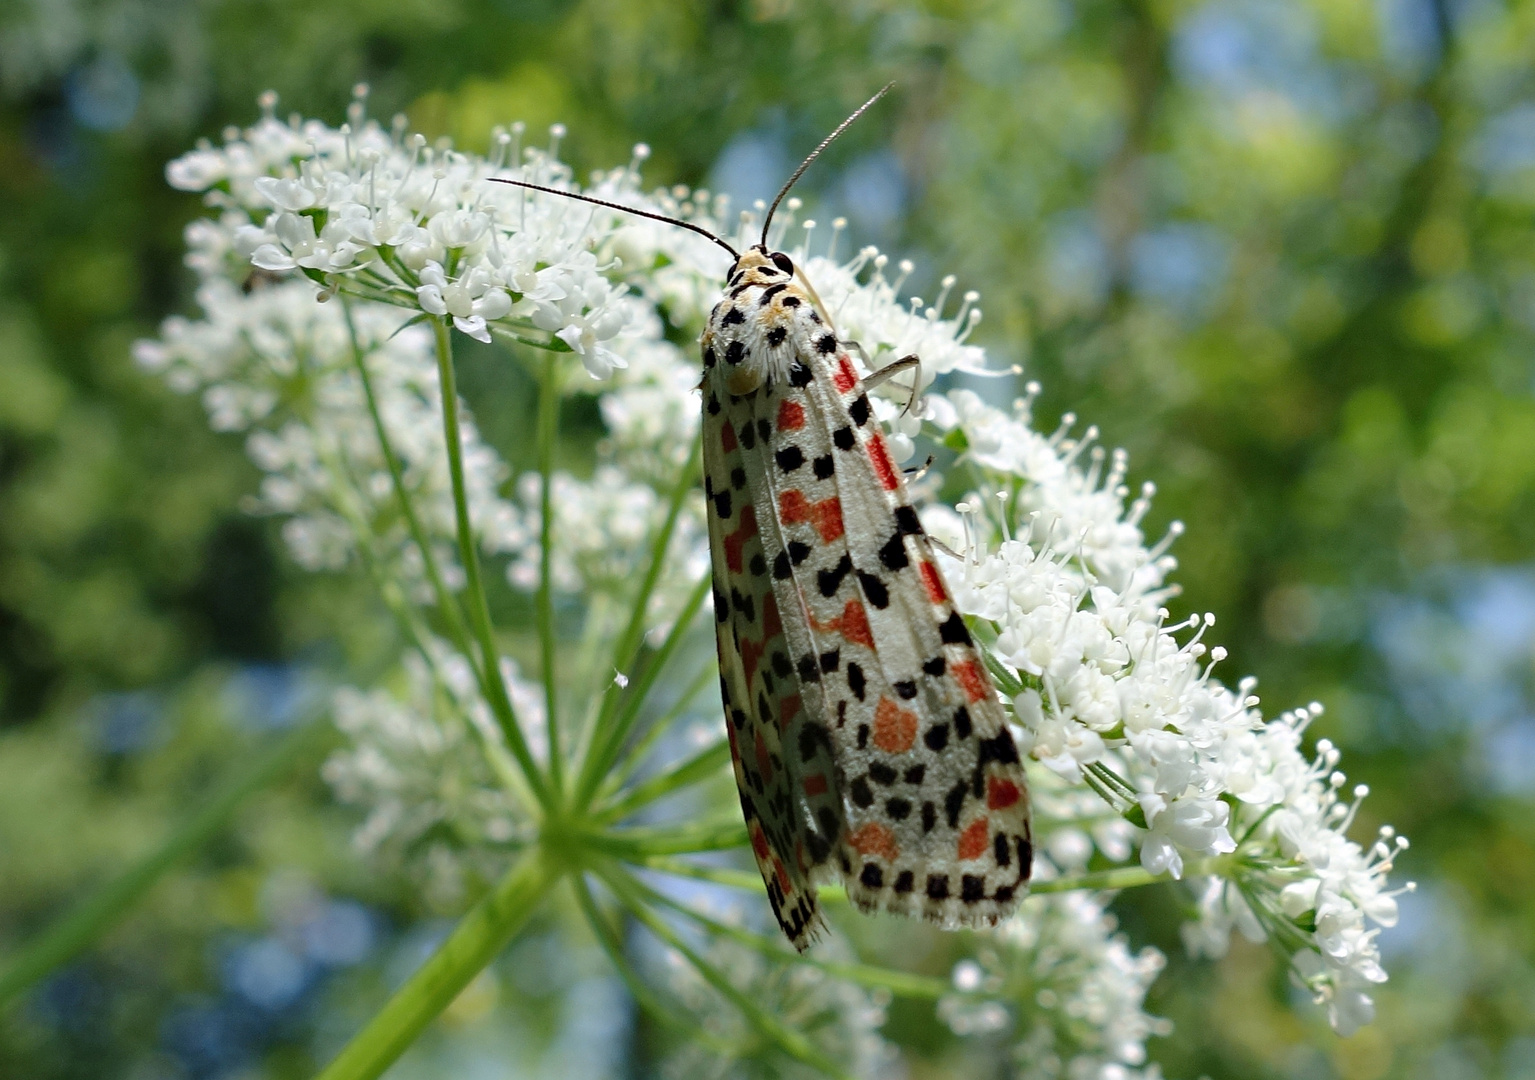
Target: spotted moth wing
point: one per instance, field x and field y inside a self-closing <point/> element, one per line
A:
<point x="900" y="774"/>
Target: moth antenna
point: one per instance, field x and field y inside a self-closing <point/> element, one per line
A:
<point x="699" y="229"/>
<point x="768" y="220"/>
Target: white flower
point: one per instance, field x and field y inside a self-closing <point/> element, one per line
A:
<point x="471" y="299"/>
<point x="1188" y="824"/>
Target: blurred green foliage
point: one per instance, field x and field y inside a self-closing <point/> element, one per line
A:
<point x="1280" y="250"/>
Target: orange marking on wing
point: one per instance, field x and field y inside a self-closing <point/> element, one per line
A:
<point x="973" y="679"/>
<point x="874" y="839"/>
<point x="728" y="438"/>
<point x="932" y="581"/>
<point x="1001" y="793"/>
<point x="827" y="515"/>
<point x="760" y="841"/>
<point x="854" y="624"/>
<point x="788" y="709"/>
<point x="884" y="468"/>
<point x="845" y="378"/>
<point x="895" y="728"/>
<point x="793" y="507"/>
<point x="972" y="842"/>
<point x="791" y="416"/>
<point x="815" y="784"/>
<point x="772" y="624"/>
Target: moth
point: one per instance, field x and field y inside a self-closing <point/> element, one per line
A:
<point x="868" y="744"/>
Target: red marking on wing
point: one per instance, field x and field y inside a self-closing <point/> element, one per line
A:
<point x="895" y="728"/>
<point x="727" y="438"/>
<point x="759" y="841"/>
<point x="783" y="876"/>
<point x="735" y="749"/>
<point x="815" y="784"/>
<point x="772" y="625"/>
<point x="973" y="679"/>
<point x="874" y="839"/>
<point x="1001" y="793"/>
<point x="793" y="507"/>
<point x="788" y="709"/>
<point x="827" y="515"/>
<point x="852" y="624"/>
<point x="932" y="581"/>
<point x="791" y="416"/>
<point x="734" y="541"/>
<point x="764" y="760"/>
<point x="884" y="468"/>
<point x="972" y="842"/>
<point x="845" y="378"/>
<point x="751" y="653"/>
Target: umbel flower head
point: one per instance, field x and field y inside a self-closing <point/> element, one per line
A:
<point x="333" y="267"/>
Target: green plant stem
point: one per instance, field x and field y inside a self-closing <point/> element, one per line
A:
<point x="897" y="982"/>
<point x="75" y="931"/>
<point x="639" y="844"/>
<point x="768" y="1026"/>
<point x="605" y="751"/>
<point x="593" y="766"/>
<point x="707" y="762"/>
<point x="1130" y="877"/>
<point x="447" y="603"/>
<point x="548" y="431"/>
<point x="479" y="607"/>
<point x="643" y="995"/>
<point x="474" y="943"/>
<point x="641" y="748"/>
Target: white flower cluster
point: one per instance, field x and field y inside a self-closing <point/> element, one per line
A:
<point x="1106" y="695"/>
<point x="1309" y="874"/>
<point x="274" y="363"/>
<point x="1077" y="989"/>
<point x="1140" y="745"/>
<point x="429" y="768"/>
<point x="415" y="225"/>
<point x="840" y="1020"/>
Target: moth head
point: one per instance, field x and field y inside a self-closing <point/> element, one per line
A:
<point x="759" y="263"/>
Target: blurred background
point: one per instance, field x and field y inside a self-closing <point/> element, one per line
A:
<point x="1280" y="250"/>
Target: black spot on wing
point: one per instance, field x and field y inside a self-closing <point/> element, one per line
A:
<point x="874" y="589"/>
<point x="954" y="631"/>
<point x="831" y="580"/>
<point x="855" y="680"/>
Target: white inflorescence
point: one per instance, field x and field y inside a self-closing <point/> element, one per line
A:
<point x="1143" y="752"/>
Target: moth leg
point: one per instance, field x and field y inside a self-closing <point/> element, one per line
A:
<point x="905" y="363"/>
<point x="913" y="475"/>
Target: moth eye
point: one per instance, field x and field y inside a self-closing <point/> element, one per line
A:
<point x="781" y="261"/>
